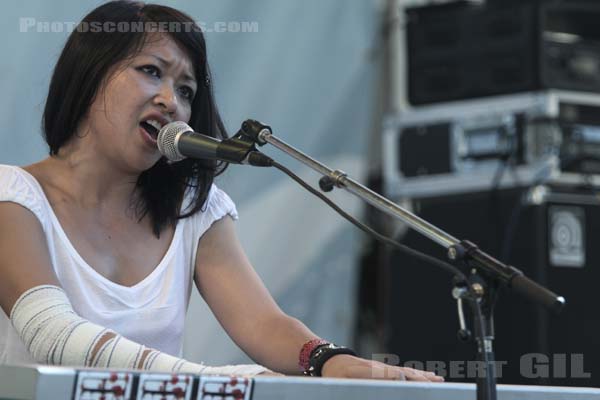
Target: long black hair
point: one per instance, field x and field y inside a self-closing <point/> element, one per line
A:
<point x="106" y="36"/>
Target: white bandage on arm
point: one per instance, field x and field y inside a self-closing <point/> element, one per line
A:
<point x="54" y="334"/>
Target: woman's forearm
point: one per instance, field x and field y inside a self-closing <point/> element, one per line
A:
<point x="276" y="343"/>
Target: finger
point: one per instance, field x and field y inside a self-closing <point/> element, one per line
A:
<point x="393" y="373"/>
<point x="415" y="375"/>
<point x="423" y="376"/>
<point x="433" y="377"/>
<point x="376" y="372"/>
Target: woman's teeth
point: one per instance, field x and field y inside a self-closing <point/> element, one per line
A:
<point x="150" y="128"/>
<point x="157" y="125"/>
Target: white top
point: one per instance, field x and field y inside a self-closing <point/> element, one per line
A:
<point x="152" y="312"/>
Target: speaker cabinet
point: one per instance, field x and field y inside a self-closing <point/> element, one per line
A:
<point x="550" y="234"/>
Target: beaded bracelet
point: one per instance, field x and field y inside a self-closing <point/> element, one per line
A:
<point x="305" y="353"/>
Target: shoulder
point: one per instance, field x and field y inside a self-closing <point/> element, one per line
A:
<point x="218" y="200"/>
<point x="16" y="180"/>
<point x="19" y="186"/>
<point x="10" y="171"/>
<point x="217" y="206"/>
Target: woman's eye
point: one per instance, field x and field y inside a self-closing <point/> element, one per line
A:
<point x="151" y="70"/>
<point x="187" y="93"/>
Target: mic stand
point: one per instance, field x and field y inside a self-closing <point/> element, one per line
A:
<point x="480" y="293"/>
<point x="486" y="273"/>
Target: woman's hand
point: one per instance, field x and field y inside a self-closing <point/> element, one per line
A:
<point x="347" y="366"/>
<point x="270" y="373"/>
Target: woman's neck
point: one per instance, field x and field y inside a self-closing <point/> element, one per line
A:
<point x="87" y="182"/>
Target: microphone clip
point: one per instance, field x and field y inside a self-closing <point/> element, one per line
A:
<point x="253" y="130"/>
<point x="241" y="147"/>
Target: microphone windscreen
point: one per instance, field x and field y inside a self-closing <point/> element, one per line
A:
<point x="167" y="139"/>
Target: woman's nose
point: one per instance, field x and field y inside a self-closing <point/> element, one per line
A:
<point x="166" y="98"/>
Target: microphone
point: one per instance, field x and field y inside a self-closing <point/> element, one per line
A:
<point x="177" y="140"/>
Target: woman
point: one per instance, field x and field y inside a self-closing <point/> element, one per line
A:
<point x="100" y="242"/>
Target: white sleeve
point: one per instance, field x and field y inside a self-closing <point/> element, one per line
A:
<point x="218" y="204"/>
<point x="16" y="188"/>
<point x="54" y="334"/>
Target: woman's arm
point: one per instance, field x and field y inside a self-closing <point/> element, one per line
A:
<point x="45" y="320"/>
<point x="24" y="255"/>
<point x="246" y="310"/>
<point x="241" y="303"/>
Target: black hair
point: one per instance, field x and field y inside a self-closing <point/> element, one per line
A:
<point x="84" y="65"/>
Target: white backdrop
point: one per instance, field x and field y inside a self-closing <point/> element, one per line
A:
<point x="308" y="71"/>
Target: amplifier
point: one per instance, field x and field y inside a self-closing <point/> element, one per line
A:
<point x="549" y="234"/>
<point x="464" y="49"/>
<point x="490" y="143"/>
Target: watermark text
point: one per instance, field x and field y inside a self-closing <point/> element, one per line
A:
<point x="531" y="366"/>
<point x="31" y="24"/>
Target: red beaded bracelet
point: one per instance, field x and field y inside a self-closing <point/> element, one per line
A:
<point x="307" y="349"/>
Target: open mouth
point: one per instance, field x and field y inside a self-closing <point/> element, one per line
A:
<point x="151" y="126"/>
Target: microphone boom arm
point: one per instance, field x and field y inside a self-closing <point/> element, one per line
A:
<point x="457" y="249"/>
<point x="481" y="292"/>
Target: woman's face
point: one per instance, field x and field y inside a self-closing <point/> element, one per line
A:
<point x="142" y="94"/>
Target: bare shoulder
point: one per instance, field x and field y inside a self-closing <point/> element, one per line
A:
<point x="42" y="171"/>
<point x="24" y="255"/>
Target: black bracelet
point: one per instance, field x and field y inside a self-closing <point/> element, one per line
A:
<point x="322" y="354"/>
